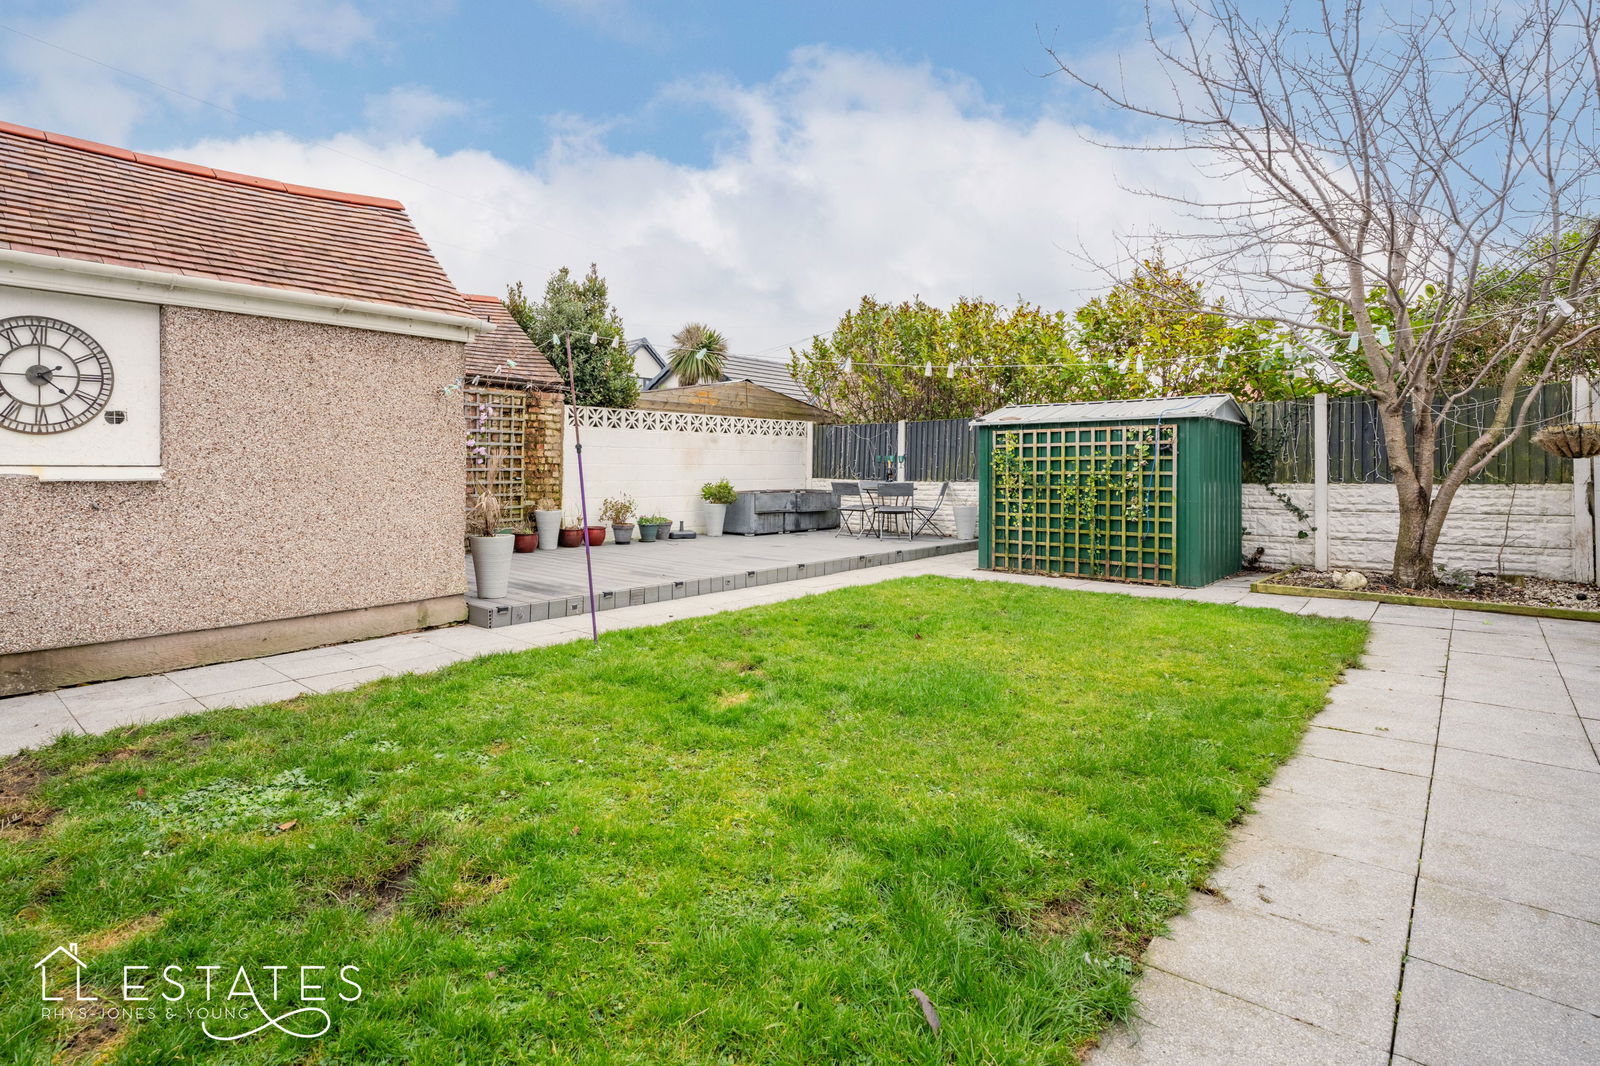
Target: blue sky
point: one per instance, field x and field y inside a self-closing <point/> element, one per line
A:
<point x="757" y="165"/>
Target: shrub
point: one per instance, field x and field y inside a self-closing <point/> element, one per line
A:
<point x="718" y="491"/>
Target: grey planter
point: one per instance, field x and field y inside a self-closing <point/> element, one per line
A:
<point x="622" y="534"/>
<point x="549" y="526"/>
<point x="966" y="520"/>
<point x="491" y="565"/>
<point x="716" y="514"/>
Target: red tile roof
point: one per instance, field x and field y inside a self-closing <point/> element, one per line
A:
<point x="488" y="353"/>
<point x="81" y="200"/>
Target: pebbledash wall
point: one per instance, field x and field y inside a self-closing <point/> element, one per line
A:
<point x="661" y="458"/>
<point x="310" y="474"/>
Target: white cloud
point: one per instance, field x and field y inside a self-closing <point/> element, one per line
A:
<point x="217" y="50"/>
<point x="409" y="111"/>
<point x="844" y="175"/>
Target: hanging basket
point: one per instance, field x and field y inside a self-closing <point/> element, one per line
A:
<point x="1576" y="440"/>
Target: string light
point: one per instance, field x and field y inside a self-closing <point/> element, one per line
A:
<point x="949" y="371"/>
<point x="927" y="369"/>
<point x="594" y="338"/>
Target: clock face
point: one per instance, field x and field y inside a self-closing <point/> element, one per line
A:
<point x="53" y="376"/>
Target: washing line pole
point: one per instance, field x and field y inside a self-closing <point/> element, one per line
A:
<point x="583" y="494"/>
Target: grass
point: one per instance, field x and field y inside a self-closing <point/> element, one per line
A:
<point x="742" y="839"/>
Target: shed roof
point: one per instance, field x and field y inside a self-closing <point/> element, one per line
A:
<point x="78" y="199"/>
<point x="765" y="372"/>
<point x="1219" y="406"/>
<point x="489" y="354"/>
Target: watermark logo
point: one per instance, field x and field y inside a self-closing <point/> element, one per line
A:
<point x="286" y="999"/>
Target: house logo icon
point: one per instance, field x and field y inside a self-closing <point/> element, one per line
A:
<point x="44" y="966"/>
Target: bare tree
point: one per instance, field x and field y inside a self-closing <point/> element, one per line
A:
<point x="1428" y="173"/>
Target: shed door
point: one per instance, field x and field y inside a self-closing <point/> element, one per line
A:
<point x="1091" y="500"/>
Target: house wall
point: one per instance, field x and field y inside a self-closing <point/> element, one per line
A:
<point x="309" y="469"/>
<point x="1515" y="529"/>
<point x="661" y="458"/>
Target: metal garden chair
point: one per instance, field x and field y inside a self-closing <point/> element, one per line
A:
<point x="896" y="504"/>
<point x="860" y="509"/>
<point x="926" y="513"/>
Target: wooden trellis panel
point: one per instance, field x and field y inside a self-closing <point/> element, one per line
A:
<point x="1089" y="501"/>
<point x="496" y="428"/>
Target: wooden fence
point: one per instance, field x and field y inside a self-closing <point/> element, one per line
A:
<point x="946" y="450"/>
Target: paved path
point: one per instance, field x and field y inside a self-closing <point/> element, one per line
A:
<point x="1419" y="885"/>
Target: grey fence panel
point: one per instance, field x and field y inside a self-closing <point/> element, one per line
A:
<point x="856" y="452"/>
<point x="1357" y="453"/>
<point x="945" y="450"/>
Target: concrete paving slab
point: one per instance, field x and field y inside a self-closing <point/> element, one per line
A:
<point x="1556" y="881"/>
<point x="1326" y="892"/>
<point x="1361" y="610"/>
<point x="1187" y="1024"/>
<point x="98" y="718"/>
<point x="1531" y="950"/>
<point x="1380" y="716"/>
<point x="1319" y="977"/>
<point x="33" y="721"/>
<point x="1507" y="681"/>
<point x="1519" y="777"/>
<point x="1568" y="825"/>
<point x="1399" y="687"/>
<point x="1366" y="834"/>
<point x="1454" y="1019"/>
<point x="346" y="679"/>
<point x="1487" y="621"/>
<point x="1289" y="604"/>
<point x="128" y="694"/>
<point x="1529" y="644"/>
<point x="1423" y="617"/>
<point x="203" y="681"/>
<point x="1318" y="774"/>
<point x="251" y="697"/>
<point x="1518" y="733"/>
<point x="1385" y="753"/>
<point x="299" y="665"/>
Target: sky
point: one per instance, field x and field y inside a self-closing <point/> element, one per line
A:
<point x="755" y="166"/>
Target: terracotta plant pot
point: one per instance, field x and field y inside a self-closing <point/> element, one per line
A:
<point x="597" y="536"/>
<point x="570" y="538"/>
<point x="527" y="542"/>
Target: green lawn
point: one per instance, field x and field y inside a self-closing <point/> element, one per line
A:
<point x="737" y="839"/>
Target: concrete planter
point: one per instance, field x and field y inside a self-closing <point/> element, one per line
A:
<point x="716" y="514"/>
<point x="966" y="520"/>
<point x="491" y="565"/>
<point x="549" y="525"/>
<point x="622" y="532"/>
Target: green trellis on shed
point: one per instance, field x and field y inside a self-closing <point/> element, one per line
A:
<point x="1132" y="490"/>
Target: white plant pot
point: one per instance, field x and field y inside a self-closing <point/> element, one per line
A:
<point x="966" y="520"/>
<point x="549" y="525"/>
<point x="491" y="565"/>
<point x="716" y="514"/>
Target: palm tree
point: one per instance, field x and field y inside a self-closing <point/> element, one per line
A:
<point x="696" y="354"/>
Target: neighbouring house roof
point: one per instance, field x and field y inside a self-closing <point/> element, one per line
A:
<point x="489" y="353"/>
<point x="649" y="349"/>
<point x="1219" y="406"/>
<point x="81" y="200"/>
<point x="774" y="376"/>
<point x="743" y="398"/>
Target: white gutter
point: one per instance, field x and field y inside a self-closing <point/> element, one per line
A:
<point x="85" y="278"/>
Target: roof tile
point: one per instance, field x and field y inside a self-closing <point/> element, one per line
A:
<point x="82" y="200"/>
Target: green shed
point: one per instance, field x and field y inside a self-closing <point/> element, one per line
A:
<point x="1130" y="490"/>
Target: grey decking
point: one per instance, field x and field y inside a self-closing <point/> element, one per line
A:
<point x="551" y="584"/>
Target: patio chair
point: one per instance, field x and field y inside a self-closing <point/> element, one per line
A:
<point x="925" y="513"/>
<point x="896" y="501"/>
<point x="860" y="509"/>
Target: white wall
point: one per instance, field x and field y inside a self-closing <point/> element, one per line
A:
<point x="661" y="458"/>
<point x="1521" y="529"/>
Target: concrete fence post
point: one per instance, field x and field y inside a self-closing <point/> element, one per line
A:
<point x="900" y="451"/>
<point x="1319" y="478"/>
<point x="1585" y="527"/>
<point x="811" y="453"/>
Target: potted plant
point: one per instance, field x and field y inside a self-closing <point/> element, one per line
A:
<point x="491" y="549"/>
<point x="652" y="526"/>
<point x="547" y="520"/>
<point x="571" y="535"/>
<point x="617" y="510"/>
<point x="717" y="496"/>
<point x="597" y="535"/>
<point x="525" y="540"/>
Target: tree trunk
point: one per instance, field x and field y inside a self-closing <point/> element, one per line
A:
<point x="1413" y="549"/>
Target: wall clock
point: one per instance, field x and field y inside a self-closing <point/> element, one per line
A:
<point x="53" y="375"/>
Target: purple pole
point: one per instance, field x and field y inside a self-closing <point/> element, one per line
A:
<point x="583" y="494"/>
